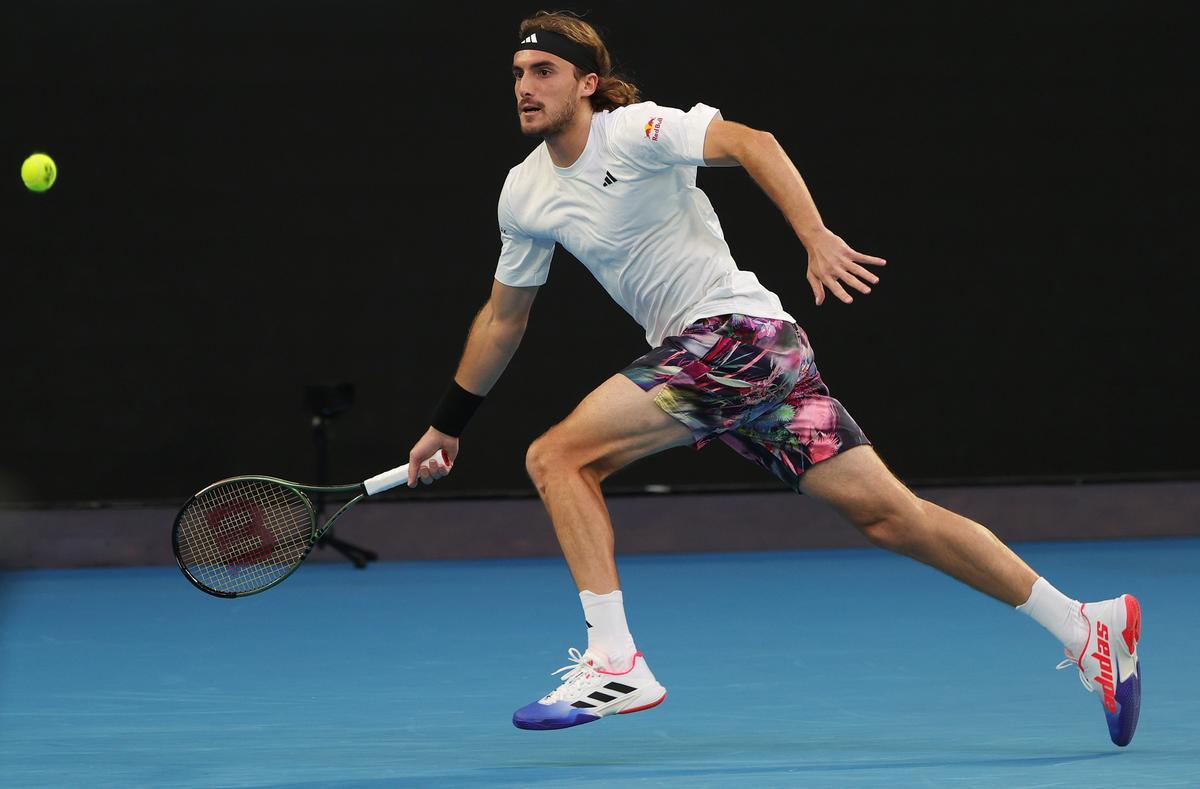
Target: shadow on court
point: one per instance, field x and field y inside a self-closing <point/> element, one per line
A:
<point x="1005" y="761"/>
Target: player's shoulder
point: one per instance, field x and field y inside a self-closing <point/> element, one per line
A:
<point x="645" y="117"/>
<point x="528" y="170"/>
<point x="624" y="127"/>
<point x="632" y="114"/>
<point x="638" y="107"/>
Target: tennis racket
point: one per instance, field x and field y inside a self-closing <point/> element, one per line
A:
<point x="243" y="535"/>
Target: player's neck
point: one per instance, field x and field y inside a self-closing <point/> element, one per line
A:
<point x="567" y="146"/>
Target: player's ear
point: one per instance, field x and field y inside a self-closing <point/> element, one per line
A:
<point x="590" y="83"/>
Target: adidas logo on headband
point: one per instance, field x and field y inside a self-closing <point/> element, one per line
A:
<point x="557" y="44"/>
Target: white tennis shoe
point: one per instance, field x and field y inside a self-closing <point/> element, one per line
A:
<point x="591" y="690"/>
<point x="1108" y="662"/>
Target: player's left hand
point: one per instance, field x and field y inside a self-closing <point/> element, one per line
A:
<point x="832" y="262"/>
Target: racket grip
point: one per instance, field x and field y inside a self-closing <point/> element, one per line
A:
<point x="398" y="476"/>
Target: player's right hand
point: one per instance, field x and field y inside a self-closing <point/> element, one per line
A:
<point x="430" y="443"/>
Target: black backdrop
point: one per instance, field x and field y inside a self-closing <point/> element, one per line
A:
<point x="257" y="196"/>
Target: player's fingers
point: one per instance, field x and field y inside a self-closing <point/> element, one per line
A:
<point x="855" y="283"/>
<point x="859" y="271"/>
<point x="837" y="290"/>
<point x="817" y="289"/>
<point x="433" y="470"/>
<point x="414" y="464"/>
<point x="874" y="261"/>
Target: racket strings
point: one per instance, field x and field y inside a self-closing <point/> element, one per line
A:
<point x="241" y="536"/>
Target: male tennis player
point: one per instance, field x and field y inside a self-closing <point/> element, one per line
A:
<point x="614" y="182"/>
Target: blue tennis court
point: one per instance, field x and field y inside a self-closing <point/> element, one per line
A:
<point x="818" y="668"/>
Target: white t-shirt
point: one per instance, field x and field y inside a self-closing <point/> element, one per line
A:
<point x="629" y="209"/>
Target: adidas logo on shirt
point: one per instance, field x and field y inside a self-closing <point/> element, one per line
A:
<point x="608" y="178"/>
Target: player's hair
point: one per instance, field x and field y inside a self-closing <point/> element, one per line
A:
<point x="612" y="91"/>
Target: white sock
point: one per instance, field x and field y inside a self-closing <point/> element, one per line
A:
<point x="607" y="629"/>
<point x="1057" y="613"/>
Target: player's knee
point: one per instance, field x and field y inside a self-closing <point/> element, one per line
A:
<point x="893" y="527"/>
<point x="546" y="457"/>
<point x="883" y="533"/>
<point x="538" y="460"/>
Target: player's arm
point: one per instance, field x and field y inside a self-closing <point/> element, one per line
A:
<point x="831" y="262"/>
<point x="494" y="337"/>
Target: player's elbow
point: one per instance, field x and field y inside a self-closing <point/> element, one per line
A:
<point x="508" y="308"/>
<point x="503" y="320"/>
<point x="753" y="144"/>
<point x="763" y="139"/>
<point x="729" y="143"/>
<point x="512" y="325"/>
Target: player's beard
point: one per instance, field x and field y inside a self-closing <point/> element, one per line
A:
<point x="559" y="122"/>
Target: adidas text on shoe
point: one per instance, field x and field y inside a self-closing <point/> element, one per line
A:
<point x="1109" y="662"/>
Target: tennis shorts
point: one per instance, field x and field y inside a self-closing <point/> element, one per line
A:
<point x="752" y="383"/>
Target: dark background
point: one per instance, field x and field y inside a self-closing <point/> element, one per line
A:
<point x="257" y="196"/>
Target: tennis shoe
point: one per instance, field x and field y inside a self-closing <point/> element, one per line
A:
<point x="592" y="690"/>
<point x="1108" y="662"/>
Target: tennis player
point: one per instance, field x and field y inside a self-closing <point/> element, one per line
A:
<point x="614" y="182"/>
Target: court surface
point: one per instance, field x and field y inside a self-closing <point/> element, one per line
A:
<point x="816" y="668"/>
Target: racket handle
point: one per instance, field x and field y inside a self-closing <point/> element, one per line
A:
<point x="398" y="476"/>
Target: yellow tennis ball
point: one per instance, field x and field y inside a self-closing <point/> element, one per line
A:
<point x="39" y="172"/>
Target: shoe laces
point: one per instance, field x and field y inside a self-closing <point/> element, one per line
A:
<point x="1068" y="663"/>
<point x="1077" y="662"/>
<point x="579" y="672"/>
<point x="1083" y="678"/>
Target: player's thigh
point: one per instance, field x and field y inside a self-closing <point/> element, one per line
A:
<point x="857" y="484"/>
<point x="616" y="424"/>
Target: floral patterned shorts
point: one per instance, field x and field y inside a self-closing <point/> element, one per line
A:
<point x="751" y="382"/>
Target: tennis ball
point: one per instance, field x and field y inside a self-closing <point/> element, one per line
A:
<point x="39" y="172"/>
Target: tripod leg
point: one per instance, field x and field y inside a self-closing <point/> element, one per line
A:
<point x="360" y="556"/>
